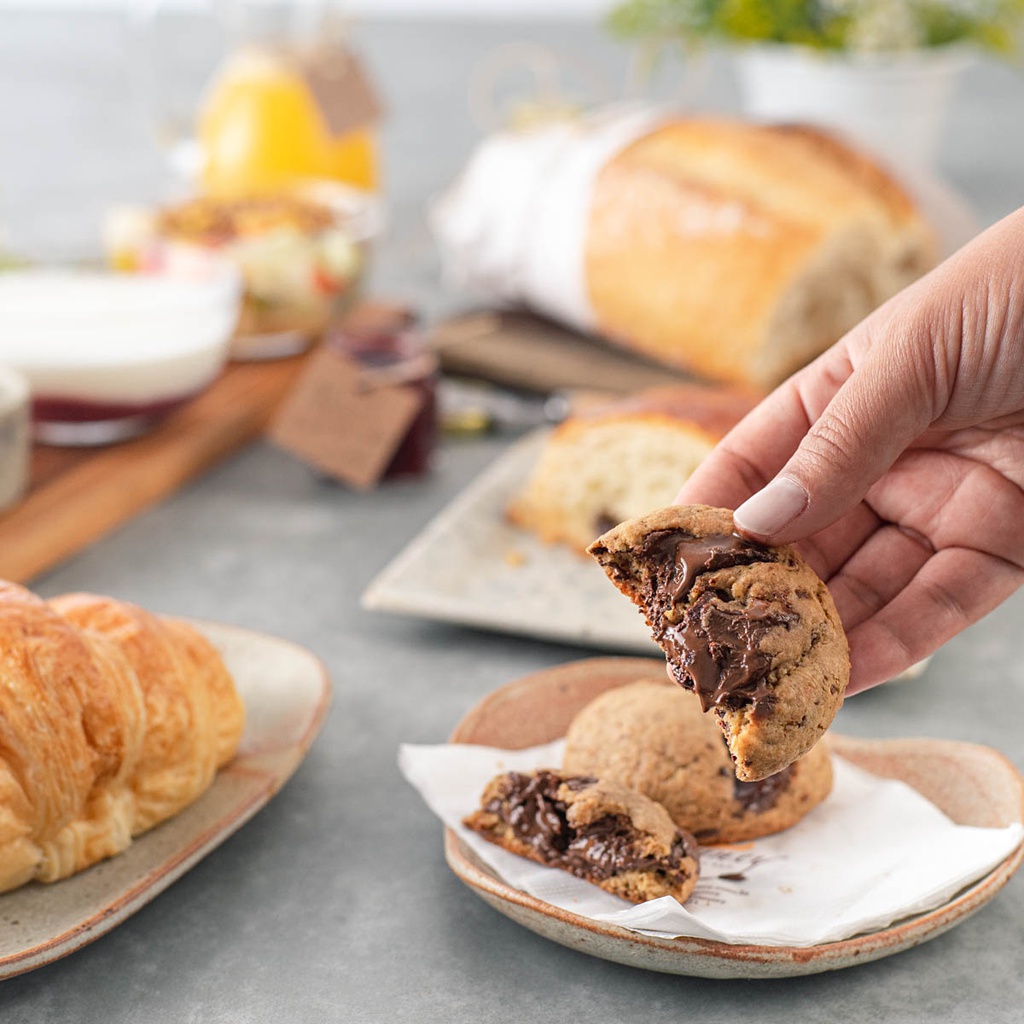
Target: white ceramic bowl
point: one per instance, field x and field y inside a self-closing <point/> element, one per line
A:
<point x="107" y="355"/>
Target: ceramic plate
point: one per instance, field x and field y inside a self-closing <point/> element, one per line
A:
<point x="470" y="566"/>
<point x="286" y="693"/>
<point x="972" y="785"/>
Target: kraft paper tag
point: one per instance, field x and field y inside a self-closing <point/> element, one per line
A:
<point x="341" y="88"/>
<point x="336" y="421"/>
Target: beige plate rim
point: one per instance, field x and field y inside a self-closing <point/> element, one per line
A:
<point x="240" y="790"/>
<point x="565" y="684"/>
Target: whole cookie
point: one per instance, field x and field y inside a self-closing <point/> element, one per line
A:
<point x="751" y="629"/>
<point x="653" y="737"/>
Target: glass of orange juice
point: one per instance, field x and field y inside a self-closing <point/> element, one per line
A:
<point x="262" y="125"/>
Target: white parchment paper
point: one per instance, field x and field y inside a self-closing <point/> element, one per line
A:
<point x="873" y="852"/>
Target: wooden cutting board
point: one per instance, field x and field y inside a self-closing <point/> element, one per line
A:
<point x="77" y="495"/>
<point x="523" y="351"/>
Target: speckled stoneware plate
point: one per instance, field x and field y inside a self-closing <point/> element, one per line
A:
<point x="471" y="566"/>
<point x="286" y="693"/>
<point x="973" y="785"/>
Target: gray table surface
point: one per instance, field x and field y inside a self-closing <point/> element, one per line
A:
<point x="334" y="903"/>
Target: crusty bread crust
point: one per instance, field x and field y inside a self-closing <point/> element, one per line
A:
<point x="740" y="251"/>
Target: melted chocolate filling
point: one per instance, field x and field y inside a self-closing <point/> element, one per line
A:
<point x="604" y="848"/>
<point x="688" y="557"/>
<point x="758" y="797"/>
<point x="713" y="642"/>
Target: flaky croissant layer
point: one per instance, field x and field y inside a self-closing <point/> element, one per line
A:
<point x="111" y="720"/>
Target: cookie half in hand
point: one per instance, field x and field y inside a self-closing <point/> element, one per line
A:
<point x="603" y="833"/>
<point x="751" y="629"/>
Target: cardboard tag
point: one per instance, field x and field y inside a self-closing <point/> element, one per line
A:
<point x="341" y="88"/>
<point x="334" y="420"/>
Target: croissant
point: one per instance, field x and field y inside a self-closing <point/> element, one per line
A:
<point x="111" y="720"/>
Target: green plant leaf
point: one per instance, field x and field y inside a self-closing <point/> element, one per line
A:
<point x="994" y="25"/>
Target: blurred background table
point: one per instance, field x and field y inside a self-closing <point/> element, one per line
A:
<point x="334" y="903"/>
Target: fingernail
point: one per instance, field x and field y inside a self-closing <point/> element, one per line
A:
<point x="772" y="508"/>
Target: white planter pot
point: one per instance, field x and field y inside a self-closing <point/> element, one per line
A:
<point x="893" y="105"/>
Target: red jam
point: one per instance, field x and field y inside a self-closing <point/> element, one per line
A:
<point x="391" y="349"/>
<point x="58" y="409"/>
<point x="76" y="422"/>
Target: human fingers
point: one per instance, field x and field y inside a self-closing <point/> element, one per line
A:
<point x="829" y="549"/>
<point x="956" y="500"/>
<point x="751" y="453"/>
<point x="882" y="566"/>
<point x="946" y="350"/>
<point x="953" y="589"/>
<point x="883" y="406"/>
<point x="746" y="459"/>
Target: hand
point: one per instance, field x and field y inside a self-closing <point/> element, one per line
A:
<point x="895" y="461"/>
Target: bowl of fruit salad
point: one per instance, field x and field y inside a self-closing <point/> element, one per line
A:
<point x="301" y="254"/>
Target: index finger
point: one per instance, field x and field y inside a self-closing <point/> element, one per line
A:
<point x="751" y="453"/>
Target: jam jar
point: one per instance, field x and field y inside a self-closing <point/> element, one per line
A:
<point x="391" y="349"/>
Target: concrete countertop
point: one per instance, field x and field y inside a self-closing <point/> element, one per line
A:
<point x="334" y="903"/>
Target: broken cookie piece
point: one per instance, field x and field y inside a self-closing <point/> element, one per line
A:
<point x="603" y="833"/>
<point x="750" y="629"/>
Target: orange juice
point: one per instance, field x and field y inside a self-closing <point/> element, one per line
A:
<point x="260" y="130"/>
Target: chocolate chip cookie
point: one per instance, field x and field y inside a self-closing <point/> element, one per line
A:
<point x="601" y="832"/>
<point x="750" y="629"/>
<point x="653" y="737"/>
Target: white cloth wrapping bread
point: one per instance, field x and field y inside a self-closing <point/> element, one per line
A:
<point x="513" y="224"/>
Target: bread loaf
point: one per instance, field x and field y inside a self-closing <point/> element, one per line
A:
<point x="620" y="460"/>
<point x="741" y="251"/>
<point x="733" y="250"/>
<point x="111" y="720"/>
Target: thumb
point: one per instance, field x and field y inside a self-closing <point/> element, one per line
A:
<point x="883" y="406"/>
